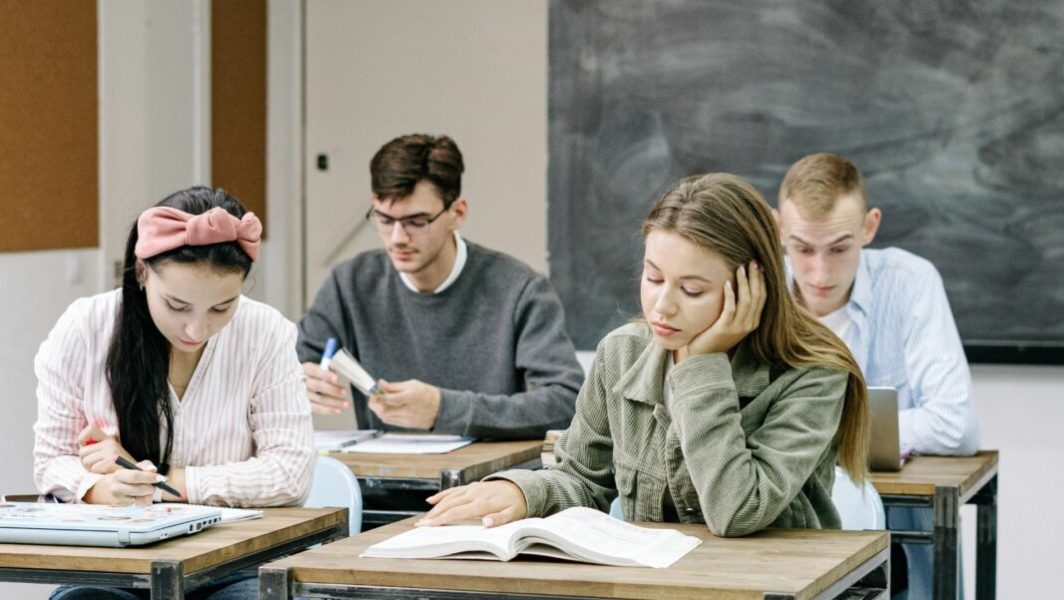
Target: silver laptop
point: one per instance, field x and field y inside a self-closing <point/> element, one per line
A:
<point x="884" y="454"/>
<point x="96" y="525"/>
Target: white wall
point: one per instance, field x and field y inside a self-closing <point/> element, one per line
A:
<point x="1021" y="410"/>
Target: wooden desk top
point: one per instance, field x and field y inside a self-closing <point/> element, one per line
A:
<point x="802" y="562"/>
<point x="205" y="549"/>
<point x="921" y="474"/>
<point x="479" y="459"/>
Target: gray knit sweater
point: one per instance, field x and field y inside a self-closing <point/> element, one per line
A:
<point x="494" y="342"/>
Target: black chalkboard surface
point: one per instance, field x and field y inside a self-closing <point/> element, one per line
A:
<point x="953" y="111"/>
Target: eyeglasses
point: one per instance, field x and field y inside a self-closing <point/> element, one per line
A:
<point x="413" y="225"/>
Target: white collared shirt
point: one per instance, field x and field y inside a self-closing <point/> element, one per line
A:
<point x="903" y="335"/>
<point x="456" y="270"/>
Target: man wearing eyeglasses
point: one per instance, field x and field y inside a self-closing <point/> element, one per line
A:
<point x="465" y="340"/>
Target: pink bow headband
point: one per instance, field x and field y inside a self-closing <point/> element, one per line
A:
<point x="163" y="228"/>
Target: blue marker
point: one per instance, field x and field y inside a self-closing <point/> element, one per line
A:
<point x="326" y="356"/>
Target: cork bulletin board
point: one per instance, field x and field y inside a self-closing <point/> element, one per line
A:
<point x="238" y="101"/>
<point x="49" y="192"/>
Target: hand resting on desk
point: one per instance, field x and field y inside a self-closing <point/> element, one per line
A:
<point x="493" y="502"/>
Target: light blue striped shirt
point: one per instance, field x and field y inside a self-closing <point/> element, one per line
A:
<point x="903" y="335"/>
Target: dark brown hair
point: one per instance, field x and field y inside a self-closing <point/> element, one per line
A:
<point x="403" y="162"/>
<point x="138" y="358"/>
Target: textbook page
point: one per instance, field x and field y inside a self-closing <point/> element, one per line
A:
<point x="580" y="534"/>
<point x="410" y="443"/>
<point x="592" y="536"/>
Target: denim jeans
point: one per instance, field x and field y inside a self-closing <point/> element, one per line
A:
<point x="238" y="586"/>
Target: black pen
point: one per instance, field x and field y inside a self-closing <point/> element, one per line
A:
<point x="160" y="481"/>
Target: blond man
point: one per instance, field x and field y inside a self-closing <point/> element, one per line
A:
<point x="890" y="308"/>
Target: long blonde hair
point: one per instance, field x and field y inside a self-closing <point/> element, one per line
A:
<point x="726" y="215"/>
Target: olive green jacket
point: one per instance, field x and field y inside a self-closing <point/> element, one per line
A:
<point x="745" y="446"/>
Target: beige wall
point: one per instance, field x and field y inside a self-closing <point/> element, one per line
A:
<point x="473" y="69"/>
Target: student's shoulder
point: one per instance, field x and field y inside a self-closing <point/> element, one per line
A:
<point x="89" y="310"/>
<point x="261" y="317"/>
<point x="501" y="265"/>
<point x="625" y="343"/>
<point x="899" y="268"/>
<point x="371" y="263"/>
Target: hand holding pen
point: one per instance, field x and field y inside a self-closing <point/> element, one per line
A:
<point x="324" y="391"/>
<point x="160" y="480"/>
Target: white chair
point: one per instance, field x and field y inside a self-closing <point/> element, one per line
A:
<point x="335" y="485"/>
<point x="859" y="508"/>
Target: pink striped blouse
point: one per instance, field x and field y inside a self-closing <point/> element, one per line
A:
<point x="242" y="430"/>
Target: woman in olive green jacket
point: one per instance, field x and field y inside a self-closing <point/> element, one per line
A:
<point x="727" y="404"/>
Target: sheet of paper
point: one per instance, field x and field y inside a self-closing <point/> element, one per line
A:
<point x="337" y="439"/>
<point x="410" y="443"/>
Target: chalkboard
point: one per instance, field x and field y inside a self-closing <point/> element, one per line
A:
<point x="953" y="111"/>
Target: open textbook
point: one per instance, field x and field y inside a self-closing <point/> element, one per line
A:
<point x="579" y="534"/>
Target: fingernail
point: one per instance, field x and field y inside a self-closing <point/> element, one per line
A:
<point x="488" y="521"/>
<point x="423" y="523"/>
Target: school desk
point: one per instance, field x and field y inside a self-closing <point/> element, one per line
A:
<point x="171" y="567"/>
<point x="773" y="564"/>
<point x="430" y="473"/>
<point x="943" y="484"/>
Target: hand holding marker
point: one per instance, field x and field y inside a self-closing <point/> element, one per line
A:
<point x="326" y="356"/>
<point x="160" y="480"/>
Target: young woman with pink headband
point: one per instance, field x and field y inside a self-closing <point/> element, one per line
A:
<point x="178" y="372"/>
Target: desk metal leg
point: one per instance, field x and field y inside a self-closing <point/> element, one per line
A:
<point x="944" y="538"/>
<point x="986" y="541"/>
<point x="167" y="580"/>
<point x="274" y="584"/>
<point x="450" y="478"/>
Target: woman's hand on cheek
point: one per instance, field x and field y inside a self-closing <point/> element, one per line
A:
<point x="739" y="316"/>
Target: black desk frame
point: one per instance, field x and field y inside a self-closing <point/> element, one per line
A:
<point x="168" y="580"/>
<point x="944" y="538"/>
